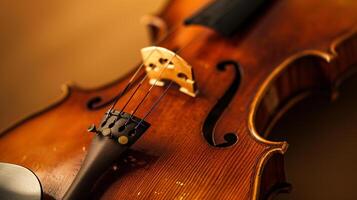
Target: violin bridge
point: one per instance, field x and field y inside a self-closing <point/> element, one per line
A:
<point x="162" y="64"/>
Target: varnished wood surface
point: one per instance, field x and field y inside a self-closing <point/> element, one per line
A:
<point x="288" y="48"/>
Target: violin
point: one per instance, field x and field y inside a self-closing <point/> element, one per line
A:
<point x="191" y="121"/>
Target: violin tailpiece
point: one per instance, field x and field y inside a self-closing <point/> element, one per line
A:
<point x="117" y="132"/>
<point x="121" y="127"/>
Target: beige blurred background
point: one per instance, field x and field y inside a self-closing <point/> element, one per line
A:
<point x="44" y="44"/>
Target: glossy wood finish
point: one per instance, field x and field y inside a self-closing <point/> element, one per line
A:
<point x="296" y="45"/>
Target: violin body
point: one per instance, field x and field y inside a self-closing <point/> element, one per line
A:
<point x="245" y="82"/>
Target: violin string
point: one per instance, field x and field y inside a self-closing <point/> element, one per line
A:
<point x="130" y="82"/>
<point x="146" y="75"/>
<point x="127" y="85"/>
<point x="137" y="71"/>
<point x="148" y="92"/>
<point x="155" y="104"/>
<point x="132" y="95"/>
<point x="152" y="86"/>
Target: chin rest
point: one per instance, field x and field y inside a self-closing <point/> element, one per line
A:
<point x="18" y="183"/>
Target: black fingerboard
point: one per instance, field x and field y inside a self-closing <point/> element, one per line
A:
<point x="227" y="16"/>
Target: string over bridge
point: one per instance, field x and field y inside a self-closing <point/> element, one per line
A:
<point x="162" y="64"/>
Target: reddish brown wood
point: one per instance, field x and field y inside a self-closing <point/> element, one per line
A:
<point x="296" y="46"/>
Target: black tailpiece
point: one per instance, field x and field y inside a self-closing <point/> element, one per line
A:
<point x="117" y="132"/>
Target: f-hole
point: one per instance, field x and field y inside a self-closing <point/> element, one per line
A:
<point x="218" y="109"/>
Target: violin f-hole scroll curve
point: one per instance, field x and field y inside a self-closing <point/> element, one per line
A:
<point x="218" y="109"/>
<point x="96" y="103"/>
